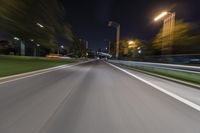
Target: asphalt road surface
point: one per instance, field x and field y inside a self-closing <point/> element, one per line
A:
<point x="91" y="98"/>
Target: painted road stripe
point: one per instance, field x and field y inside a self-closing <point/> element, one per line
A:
<point x="45" y="71"/>
<point x="183" y="100"/>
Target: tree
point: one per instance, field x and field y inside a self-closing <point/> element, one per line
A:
<point x="19" y="18"/>
<point x="132" y="48"/>
<point x="185" y="39"/>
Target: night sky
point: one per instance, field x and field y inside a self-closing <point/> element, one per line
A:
<point x="89" y="18"/>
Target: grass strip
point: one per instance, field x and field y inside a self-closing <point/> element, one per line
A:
<point x="183" y="76"/>
<point x="11" y="65"/>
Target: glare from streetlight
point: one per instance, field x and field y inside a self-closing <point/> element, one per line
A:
<point x="131" y="42"/>
<point x="139" y="51"/>
<point x="31" y="40"/>
<point x="38" y="45"/>
<point x="16" y="38"/>
<point x="40" y="25"/>
<point x="62" y="46"/>
<point x="160" y="16"/>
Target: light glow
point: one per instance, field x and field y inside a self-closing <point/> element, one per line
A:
<point x="16" y="38"/>
<point x="40" y="25"/>
<point x="131" y="42"/>
<point x="160" y="16"/>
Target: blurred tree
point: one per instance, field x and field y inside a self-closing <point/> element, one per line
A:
<point x="20" y="18"/>
<point x="132" y="48"/>
<point x="186" y="39"/>
<point x="79" y="47"/>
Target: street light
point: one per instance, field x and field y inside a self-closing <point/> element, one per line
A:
<point x="163" y="14"/>
<point x="131" y="42"/>
<point x="16" y="38"/>
<point x="39" y="25"/>
<point x="117" y="26"/>
<point x="168" y="28"/>
<point x="35" y="49"/>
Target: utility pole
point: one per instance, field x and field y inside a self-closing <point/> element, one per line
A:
<point x="117" y="26"/>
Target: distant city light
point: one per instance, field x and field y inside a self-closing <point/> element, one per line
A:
<point x="40" y="25"/>
<point x="160" y="16"/>
<point x="16" y="38"/>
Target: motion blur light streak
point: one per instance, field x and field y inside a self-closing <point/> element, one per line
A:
<point x="16" y="38"/>
<point x="40" y="25"/>
<point x="160" y="16"/>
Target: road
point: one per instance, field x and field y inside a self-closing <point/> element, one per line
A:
<point x="91" y="98"/>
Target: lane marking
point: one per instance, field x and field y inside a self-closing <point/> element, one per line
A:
<point x="33" y="72"/>
<point x="183" y="100"/>
<point x="45" y="71"/>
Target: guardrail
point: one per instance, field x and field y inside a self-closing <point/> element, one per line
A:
<point x="189" y="75"/>
<point x="180" y="68"/>
<point x="170" y="59"/>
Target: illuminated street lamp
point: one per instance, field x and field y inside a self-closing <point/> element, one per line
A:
<point x="35" y="49"/>
<point x="163" y="14"/>
<point x="16" y="38"/>
<point x="139" y="51"/>
<point x="39" y="25"/>
<point x="168" y="28"/>
<point x="131" y="42"/>
<point x="117" y="26"/>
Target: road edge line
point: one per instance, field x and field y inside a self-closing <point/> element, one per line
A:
<point x="183" y="100"/>
<point x="190" y="84"/>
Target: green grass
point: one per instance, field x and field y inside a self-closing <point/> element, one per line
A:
<point x="10" y="65"/>
<point x="188" y="77"/>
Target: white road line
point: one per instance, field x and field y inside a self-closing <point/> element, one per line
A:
<point x="32" y="72"/>
<point x="185" y="101"/>
<point x="47" y="71"/>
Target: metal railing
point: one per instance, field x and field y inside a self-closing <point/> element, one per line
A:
<point x="173" y="67"/>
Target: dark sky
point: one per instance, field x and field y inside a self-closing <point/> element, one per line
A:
<point x="89" y="17"/>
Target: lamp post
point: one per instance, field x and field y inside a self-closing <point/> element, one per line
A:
<point x="35" y="49"/>
<point x="168" y="29"/>
<point x="40" y="25"/>
<point x="117" y="26"/>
